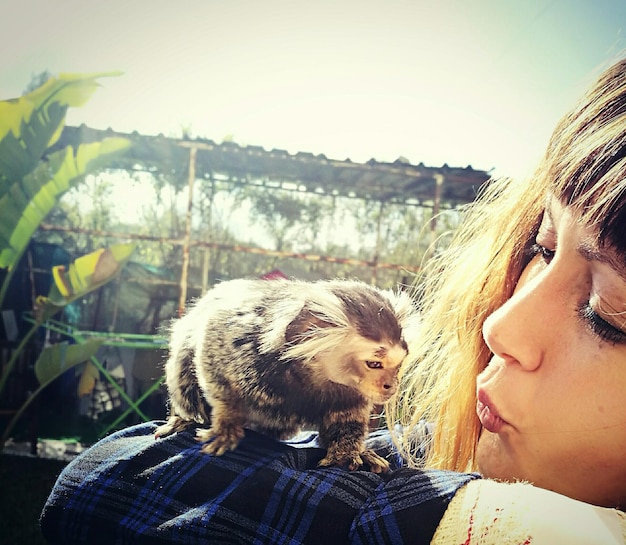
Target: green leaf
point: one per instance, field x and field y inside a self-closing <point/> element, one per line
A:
<point x="84" y="275"/>
<point x="26" y="204"/>
<point x="19" y="155"/>
<point x="56" y="359"/>
<point x="32" y="123"/>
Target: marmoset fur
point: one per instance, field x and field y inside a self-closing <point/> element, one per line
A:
<point x="281" y="355"/>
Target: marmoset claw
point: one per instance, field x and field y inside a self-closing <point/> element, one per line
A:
<point x="218" y="443"/>
<point x="367" y="458"/>
<point x="376" y="463"/>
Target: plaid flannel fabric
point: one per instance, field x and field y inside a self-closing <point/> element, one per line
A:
<point x="131" y="488"/>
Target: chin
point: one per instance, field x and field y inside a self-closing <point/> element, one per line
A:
<point x="494" y="459"/>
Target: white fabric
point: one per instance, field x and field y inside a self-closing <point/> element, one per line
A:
<point x="487" y="512"/>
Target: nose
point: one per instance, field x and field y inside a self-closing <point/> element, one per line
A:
<point x="390" y="386"/>
<point x="517" y="331"/>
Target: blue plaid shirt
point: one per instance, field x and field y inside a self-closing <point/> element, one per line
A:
<point x="131" y="488"/>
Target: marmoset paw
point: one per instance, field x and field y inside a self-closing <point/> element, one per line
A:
<point x="219" y="442"/>
<point x="353" y="461"/>
<point x="376" y="463"/>
<point x="163" y="431"/>
<point x="173" y="425"/>
<point x="349" y="461"/>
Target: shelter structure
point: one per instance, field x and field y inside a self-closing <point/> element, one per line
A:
<point x="399" y="183"/>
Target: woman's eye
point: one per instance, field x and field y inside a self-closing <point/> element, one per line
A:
<point x="600" y="327"/>
<point x="374" y="364"/>
<point x="546" y="254"/>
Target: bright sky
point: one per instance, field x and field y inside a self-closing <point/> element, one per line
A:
<point x="461" y="82"/>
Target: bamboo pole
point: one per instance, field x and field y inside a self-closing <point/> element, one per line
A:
<point x="381" y="207"/>
<point x="439" y="179"/>
<point x="187" y="240"/>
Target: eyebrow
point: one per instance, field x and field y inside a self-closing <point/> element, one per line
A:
<point x="381" y="352"/>
<point x="590" y="251"/>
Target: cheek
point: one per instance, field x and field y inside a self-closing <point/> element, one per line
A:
<point x="576" y="398"/>
<point x="601" y="401"/>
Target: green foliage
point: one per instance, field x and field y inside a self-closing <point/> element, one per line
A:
<point x="32" y="179"/>
<point x="287" y="215"/>
<point x="32" y="123"/>
<point x="52" y="363"/>
<point x="56" y="359"/>
<point x="37" y="80"/>
<point x="84" y="275"/>
<point x="25" y="205"/>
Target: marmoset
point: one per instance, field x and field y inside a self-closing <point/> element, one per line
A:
<point x="282" y="355"/>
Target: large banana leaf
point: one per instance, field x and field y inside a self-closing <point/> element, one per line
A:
<point x="28" y="201"/>
<point x="32" y="123"/>
<point x="56" y="359"/>
<point x="84" y="275"/>
<point x="91" y="270"/>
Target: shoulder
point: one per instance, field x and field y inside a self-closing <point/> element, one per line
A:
<point x="131" y="487"/>
<point x="489" y="512"/>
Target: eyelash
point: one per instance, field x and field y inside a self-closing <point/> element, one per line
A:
<point x="538" y="249"/>
<point x="599" y="326"/>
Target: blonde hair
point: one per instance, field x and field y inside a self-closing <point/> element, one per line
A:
<point x="584" y="167"/>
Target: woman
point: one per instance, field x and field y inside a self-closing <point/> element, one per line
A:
<point x="550" y="299"/>
<point x="520" y="365"/>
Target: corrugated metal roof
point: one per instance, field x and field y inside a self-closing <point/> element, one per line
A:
<point x="398" y="182"/>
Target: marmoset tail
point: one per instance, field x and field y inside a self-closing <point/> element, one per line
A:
<point x="281" y="355"/>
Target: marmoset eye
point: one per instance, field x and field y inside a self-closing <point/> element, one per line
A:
<point x="374" y="364"/>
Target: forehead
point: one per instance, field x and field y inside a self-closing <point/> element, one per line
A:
<point x="391" y="353"/>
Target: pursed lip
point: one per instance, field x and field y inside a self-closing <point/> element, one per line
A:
<point x="487" y="413"/>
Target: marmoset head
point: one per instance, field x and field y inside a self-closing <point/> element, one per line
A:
<point x="366" y="365"/>
<point x="352" y="335"/>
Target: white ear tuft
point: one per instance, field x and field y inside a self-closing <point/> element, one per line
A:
<point x="283" y="313"/>
<point x="407" y="313"/>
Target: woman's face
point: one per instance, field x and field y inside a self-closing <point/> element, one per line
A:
<point x="552" y="400"/>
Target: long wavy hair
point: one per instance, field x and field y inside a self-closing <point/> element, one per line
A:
<point x="585" y="168"/>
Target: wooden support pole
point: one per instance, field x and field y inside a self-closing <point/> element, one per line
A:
<point x="439" y="179"/>
<point x="374" y="278"/>
<point x="184" y="275"/>
<point x="437" y="202"/>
